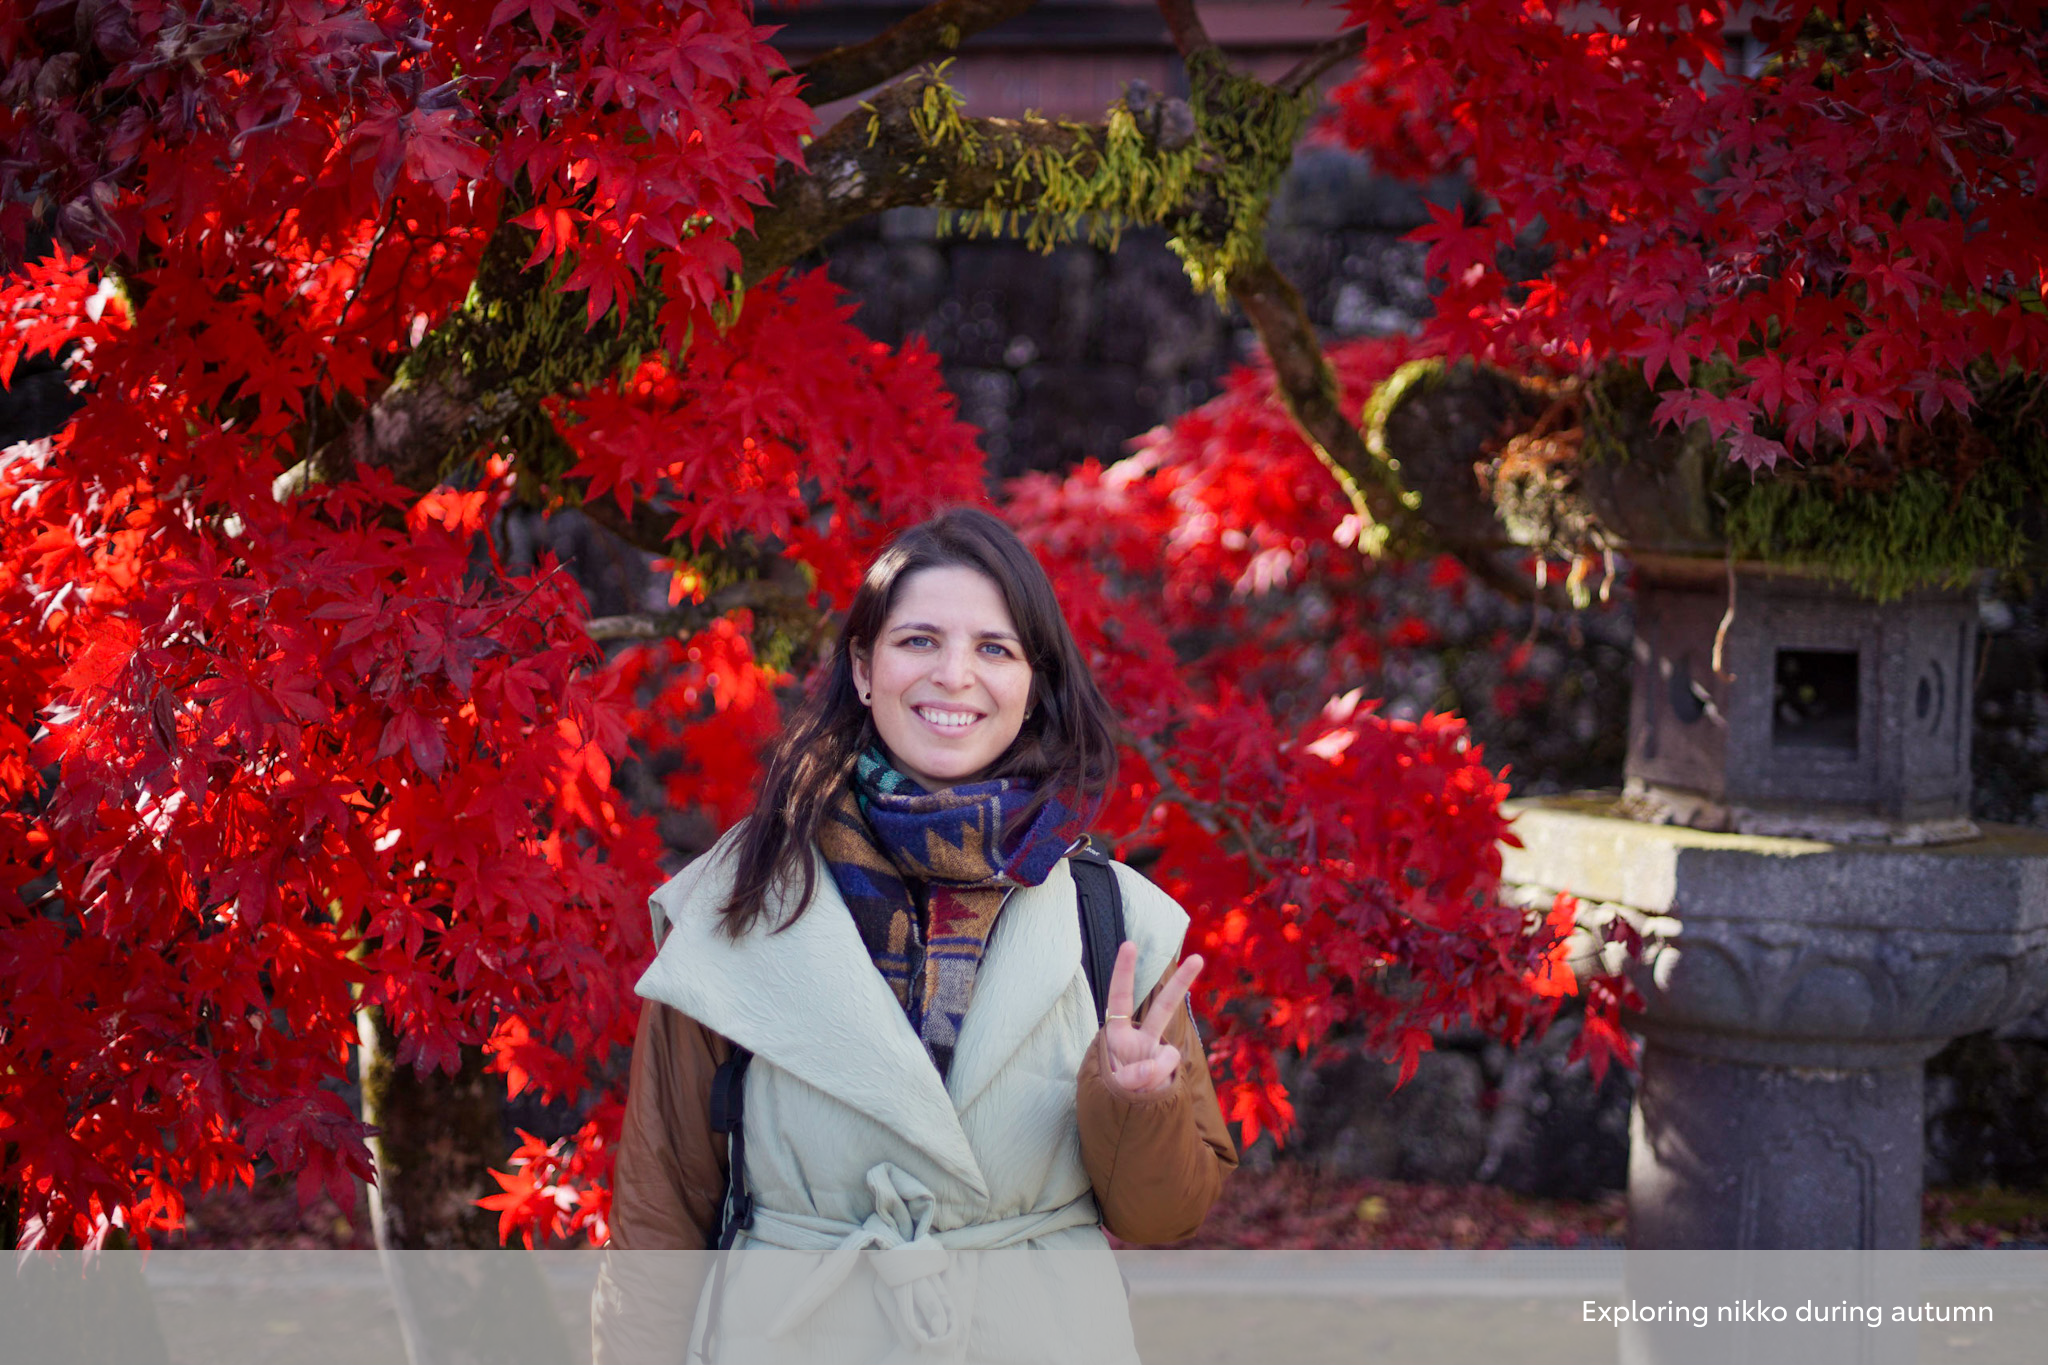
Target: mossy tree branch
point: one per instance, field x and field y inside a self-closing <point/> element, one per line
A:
<point x="884" y="155"/>
<point x="1302" y="375"/>
<point x="1207" y="174"/>
<point x="1330" y="53"/>
<point x="1307" y="386"/>
<point x="479" y="374"/>
<point x="478" y="377"/>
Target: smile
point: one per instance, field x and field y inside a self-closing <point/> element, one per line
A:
<point x="946" y="720"/>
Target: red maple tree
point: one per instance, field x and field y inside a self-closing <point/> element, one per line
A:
<point x="337" y="282"/>
<point x="1815" y="246"/>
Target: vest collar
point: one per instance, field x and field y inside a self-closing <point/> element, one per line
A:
<point x="1033" y="958"/>
<point x="810" y="1001"/>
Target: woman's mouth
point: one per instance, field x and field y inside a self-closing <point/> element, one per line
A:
<point x="945" y="719"/>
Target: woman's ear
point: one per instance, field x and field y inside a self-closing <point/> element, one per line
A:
<point x="857" y="656"/>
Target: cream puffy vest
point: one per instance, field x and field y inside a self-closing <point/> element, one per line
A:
<point x="895" y="1196"/>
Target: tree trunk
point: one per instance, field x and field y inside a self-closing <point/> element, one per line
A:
<point x="437" y="1138"/>
<point x="436" y="1141"/>
<point x="10" y="1203"/>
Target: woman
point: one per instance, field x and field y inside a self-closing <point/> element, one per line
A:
<point x="893" y="935"/>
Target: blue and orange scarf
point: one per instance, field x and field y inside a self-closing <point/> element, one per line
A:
<point x="891" y="844"/>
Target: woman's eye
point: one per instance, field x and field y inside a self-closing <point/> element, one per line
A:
<point x="1000" y="651"/>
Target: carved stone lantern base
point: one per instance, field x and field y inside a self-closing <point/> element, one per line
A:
<point x="1793" y="991"/>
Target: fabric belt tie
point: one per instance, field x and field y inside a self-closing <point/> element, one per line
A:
<point x="910" y="1260"/>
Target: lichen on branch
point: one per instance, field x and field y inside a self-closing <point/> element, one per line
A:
<point x="1205" y="169"/>
<point x="1055" y="181"/>
<point x="1248" y="129"/>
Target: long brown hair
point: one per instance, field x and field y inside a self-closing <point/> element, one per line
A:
<point x="1067" y="747"/>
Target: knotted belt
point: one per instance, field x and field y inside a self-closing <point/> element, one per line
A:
<point x="910" y="1259"/>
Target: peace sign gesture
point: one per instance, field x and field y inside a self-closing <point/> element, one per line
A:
<point x="1139" y="1060"/>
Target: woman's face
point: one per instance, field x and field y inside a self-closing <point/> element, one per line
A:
<point x="947" y="678"/>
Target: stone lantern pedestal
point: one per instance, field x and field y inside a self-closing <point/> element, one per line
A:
<point x="1821" y="914"/>
<point x="1793" y="991"/>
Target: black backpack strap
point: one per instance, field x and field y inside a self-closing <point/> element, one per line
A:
<point x="728" y="1104"/>
<point x="1102" y="920"/>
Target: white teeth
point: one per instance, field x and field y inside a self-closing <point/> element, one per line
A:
<point x="958" y="719"/>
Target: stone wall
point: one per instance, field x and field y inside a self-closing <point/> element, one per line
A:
<point x="1062" y="357"/>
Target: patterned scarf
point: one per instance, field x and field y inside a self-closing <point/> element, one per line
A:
<point x="886" y="839"/>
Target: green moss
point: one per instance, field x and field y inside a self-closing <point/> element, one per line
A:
<point x="1932" y="510"/>
<point x="1416" y="375"/>
<point x="1102" y="184"/>
<point x="1919" y="532"/>
<point x="1250" y="129"/>
<point x="1094" y="184"/>
<point x="1924" y="527"/>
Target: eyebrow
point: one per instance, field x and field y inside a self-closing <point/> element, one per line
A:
<point x="930" y="629"/>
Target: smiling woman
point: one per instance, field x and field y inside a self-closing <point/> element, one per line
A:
<point x="882" y="965"/>
<point x="948" y="681"/>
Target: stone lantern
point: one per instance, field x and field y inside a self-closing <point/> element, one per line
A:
<point x="1774" y="703"/>
<point x="1821" y="914"/>
<point x="1794" y="839"/>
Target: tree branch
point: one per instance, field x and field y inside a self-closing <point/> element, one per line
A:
<point x="933" y="32"/>
<point x="1308" y="388"/>
<point x="1209" y="814"/>
<point x="1185" y="26"/>
<point x="875" y="159"/>
<point x="755" y="594"/>
<point x="408" y="431"/>
<point x="1330" y="52"/>
<point x="1510" y="582"/>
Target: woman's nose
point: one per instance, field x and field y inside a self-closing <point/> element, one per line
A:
<point x="954" y="669"/>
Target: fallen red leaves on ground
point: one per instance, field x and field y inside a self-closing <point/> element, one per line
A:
<point x="1296" y="1206"/>
<point x="1288" y="1206"/>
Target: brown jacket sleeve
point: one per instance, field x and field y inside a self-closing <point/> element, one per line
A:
<point x="1157" y="1160"/>
<point x="669" y="1180"/>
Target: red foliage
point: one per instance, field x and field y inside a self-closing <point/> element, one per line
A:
<point x="1341" y="865"/>
<point x="641" y="132"/>
<point x="771" y="418"/>
<point x="1815" y="249"/>
<point x="267" y="762"/>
